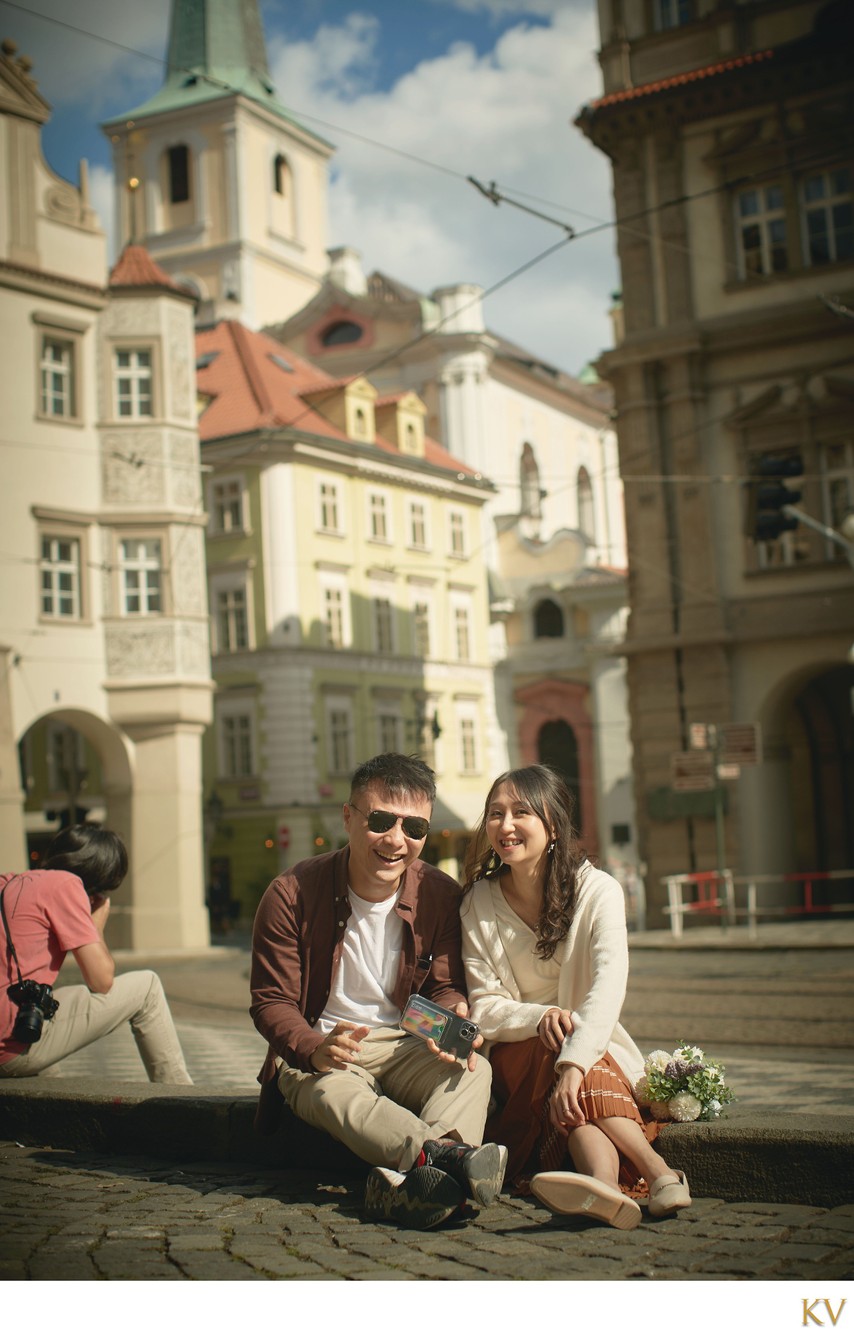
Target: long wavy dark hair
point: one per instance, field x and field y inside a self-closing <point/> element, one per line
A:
<point x="545" y="793"/>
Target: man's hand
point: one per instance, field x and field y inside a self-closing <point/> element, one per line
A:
<point x="340" y="1048"/>
<point x="461" y="1009"/>
<point x="554" y="1026"/>
<point x="100" y="913"/>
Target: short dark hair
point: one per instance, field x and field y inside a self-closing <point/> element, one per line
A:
<point x="398" y="775"/>
<point x="91" y="852"/>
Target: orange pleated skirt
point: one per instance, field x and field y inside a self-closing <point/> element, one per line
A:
<point x="523" y="1079"/>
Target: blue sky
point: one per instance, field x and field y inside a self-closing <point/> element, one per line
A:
<point x="482" y="87"/>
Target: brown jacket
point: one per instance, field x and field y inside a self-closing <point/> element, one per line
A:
<point x="296" y="948"/>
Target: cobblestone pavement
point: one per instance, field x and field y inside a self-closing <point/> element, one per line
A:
<point x="86" y="1217"/>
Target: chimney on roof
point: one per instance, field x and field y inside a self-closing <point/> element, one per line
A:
<point x="345" y="270"/>
<point x="460" y="308"/>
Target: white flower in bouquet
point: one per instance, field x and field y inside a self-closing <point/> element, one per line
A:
<point x="657" y="1060"/>
<point x="683" y="1086"/>
<point x="684" y="1107"/>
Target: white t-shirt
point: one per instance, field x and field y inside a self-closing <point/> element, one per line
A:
<point x="367" y="971"/>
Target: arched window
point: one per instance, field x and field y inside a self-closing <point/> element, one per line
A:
<point x="178" y="158"/>
<point x="529" y="484"/>
<point x="341" y="333"/>
<point x="281" y="176"/>
<point x="586" y="522"/>
<point x="557" y="746"/>
<point x="548" y="620"/>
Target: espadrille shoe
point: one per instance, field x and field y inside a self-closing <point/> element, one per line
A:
<point x="569" y="1192"/>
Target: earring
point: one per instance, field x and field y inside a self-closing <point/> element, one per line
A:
<point x="551" y="848"/>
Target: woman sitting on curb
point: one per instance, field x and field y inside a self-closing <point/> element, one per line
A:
<point x="546" y="960"/>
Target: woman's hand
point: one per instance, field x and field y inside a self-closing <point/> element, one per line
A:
<point x="564" y="1110"/>
<point x="554" y="1027"/>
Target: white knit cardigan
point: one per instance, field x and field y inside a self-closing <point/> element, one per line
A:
<point x="594" y="967"/>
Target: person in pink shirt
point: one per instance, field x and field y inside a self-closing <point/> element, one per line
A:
<point x="59" y="908"/>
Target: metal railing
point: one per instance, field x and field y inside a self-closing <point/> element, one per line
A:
<point x="715" y="892"/>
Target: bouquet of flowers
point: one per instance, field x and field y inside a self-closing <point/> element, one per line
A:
<point x="683" y="1086"/>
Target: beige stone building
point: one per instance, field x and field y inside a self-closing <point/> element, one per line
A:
<point x="104" y="635"/>
<point x="729" y="129"/>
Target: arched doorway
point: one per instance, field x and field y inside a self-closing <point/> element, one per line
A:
<point x="555" y="728"/>
<point x="557" y="746"/>
<point x="823" y="767"/>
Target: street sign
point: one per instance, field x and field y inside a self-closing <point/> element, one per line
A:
<point x="740" y="744"/>
<point x="693" y="771"/>
<point x="726" y="771"/>
<point x="698" y="736"/>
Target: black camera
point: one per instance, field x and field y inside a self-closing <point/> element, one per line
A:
<point x="36" y="1005"/>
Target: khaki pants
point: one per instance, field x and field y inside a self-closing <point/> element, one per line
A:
<point x="399" y="1095"/>
<point x="84" y="1017"/>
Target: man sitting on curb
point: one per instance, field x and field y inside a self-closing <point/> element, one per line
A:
<point x="340" y="942"/>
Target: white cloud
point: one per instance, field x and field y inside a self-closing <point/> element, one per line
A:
<point x="119" y="46"/>
<point x="504" y="116"/>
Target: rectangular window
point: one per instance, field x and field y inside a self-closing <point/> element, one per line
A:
<point x="837" y="490"/>
<point x="462" y="634"/>
<point x="340" y="740"/>
<point x="417" y="524"/>
<point x="379" y="517"/>
<point x="228" y="506"/>
<point x="421" y="629"/>
<point x="179" y="173"/>
<point x="333" y="617"/>
<point x="388" y="732"/>
<point x="673" y="13"/>
<point x="468" y="745"/>
<point x="383" y="628"/>
<point x="237" y="745"/>
<point x="60" y="578"/>
<point x="329" y="512"/>
<point x="828" y="214"/>
<point x="133" y="384"/>
<point x="232" y="625"/>
<point x="458" y="533"/>
<point x="141" y="576"/>
<point x="762" y="231"/>
<point x="57" y="378"/>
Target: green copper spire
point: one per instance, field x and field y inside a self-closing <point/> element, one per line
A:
<point x="216" y="48"/>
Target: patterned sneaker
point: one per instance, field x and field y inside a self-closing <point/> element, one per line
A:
<point x="418" y="1199"/>
<point x="479" y="1170"/>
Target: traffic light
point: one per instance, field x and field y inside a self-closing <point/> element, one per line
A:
<point x="767" y="493"/>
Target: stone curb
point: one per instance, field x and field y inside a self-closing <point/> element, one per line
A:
<point x="753" y="1155"/>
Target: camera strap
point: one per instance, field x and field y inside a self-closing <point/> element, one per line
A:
<point x="9" y="943"/>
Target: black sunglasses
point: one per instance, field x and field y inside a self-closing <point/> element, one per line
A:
<point x="380" y="821"/>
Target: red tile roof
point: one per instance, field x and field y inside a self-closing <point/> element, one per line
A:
<point x="136" y="268"/>
<point x="686" y="77"/>
<point x="249" y="390"/>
